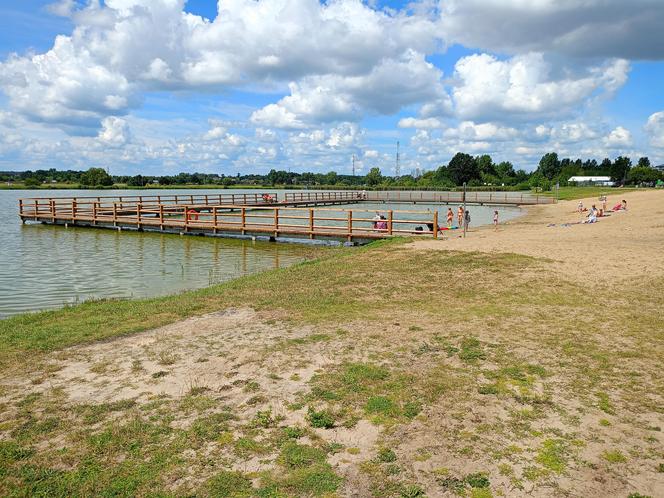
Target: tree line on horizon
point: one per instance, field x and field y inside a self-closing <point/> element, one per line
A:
<point x="475" y="171"/>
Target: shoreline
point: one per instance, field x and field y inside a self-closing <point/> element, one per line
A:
<point x="491" y="366"/>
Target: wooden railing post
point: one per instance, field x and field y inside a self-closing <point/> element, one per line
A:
<point x="435" y="224"/>
<point x="36" y="208"/>
<point x="276" y="221"/>
<point x="20" y="207"/>
<point x="161" y="216"/>
<point x="94" y="213"/>
<point x="311" y="223"/>
<point x="139" y="206"/>
<point x="52" y="202"/>
<point x="115" y="214"/>
<point x="244" y="219"/>
<point x="350" y="226"/>
<point x="73" y="211"/>
<point x="214" y="219"/>
<point x="186" y="218"/>
<point x="390" y="219"/>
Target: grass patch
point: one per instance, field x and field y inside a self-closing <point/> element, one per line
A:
<point x="614" y="456"/>
<point x="321" y="419"/>
<point x="553" y="455"/>
<point x="295" y="455"/>
<point x="230" y="484"/>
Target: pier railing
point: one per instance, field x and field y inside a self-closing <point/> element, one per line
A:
<point x="295" y="197"/>
<point x="273" y="220"/>
<point x="513" y="198"/>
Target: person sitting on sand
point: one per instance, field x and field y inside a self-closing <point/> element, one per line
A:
<point x="579" y="208"/>
<point x="621" y="206"/>
<point x="450" y="217"/>
<point x="592" y="215"/>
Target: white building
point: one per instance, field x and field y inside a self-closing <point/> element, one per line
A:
<point x="604" y="181"/>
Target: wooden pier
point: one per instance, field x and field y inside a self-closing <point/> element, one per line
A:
<point x="256" y="216"/>
<point x="271" y="215"/>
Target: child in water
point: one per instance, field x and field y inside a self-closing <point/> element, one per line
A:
<point x="495" y="220"/>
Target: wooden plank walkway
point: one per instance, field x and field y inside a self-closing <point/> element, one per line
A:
<point x="208" y="214"/>
<point x="293" y="214"/>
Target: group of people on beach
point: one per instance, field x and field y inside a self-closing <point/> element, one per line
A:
<point x="594" y="212"/>
<point x="379" y="221"/>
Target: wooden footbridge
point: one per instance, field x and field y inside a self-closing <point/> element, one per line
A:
<point x="294" y="215"/>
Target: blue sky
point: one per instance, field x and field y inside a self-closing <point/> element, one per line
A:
<point x="162" y="86"/>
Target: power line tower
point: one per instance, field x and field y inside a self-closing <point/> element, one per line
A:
<point x="397" y="169"/>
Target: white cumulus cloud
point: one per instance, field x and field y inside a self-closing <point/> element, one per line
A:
<point x="618" y="138"/>
<point x="655" y="129"/>
<point x="527" y="86"/>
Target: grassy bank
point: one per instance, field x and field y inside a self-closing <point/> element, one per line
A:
<point x="572" y="193"/>
<point x="382" y="371"/>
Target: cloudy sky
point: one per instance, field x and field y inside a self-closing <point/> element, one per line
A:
<point x="162" y="86"/>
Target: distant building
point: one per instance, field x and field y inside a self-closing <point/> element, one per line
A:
<point x="604" y="181"/>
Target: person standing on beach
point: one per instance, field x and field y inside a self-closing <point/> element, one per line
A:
<point x="450" y="217"/>
<point x="460" y="216"/>
<point x="466" y="219"/>
<point x="495" y="220"/>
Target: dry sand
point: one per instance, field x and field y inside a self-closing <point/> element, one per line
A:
<point x="624" y="244"/>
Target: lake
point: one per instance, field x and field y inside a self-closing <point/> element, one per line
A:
<point x="45" y="267"/>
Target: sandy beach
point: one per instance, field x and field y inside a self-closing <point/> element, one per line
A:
<point x="508" y="363"/>
<point x="624" y="244"/>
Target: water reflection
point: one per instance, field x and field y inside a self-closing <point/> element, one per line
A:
<point x="49" y="266"/>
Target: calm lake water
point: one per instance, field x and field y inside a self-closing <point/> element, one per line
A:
<point x="47" y="267"/>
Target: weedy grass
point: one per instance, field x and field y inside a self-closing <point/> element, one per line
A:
<point x="519" y="343"/>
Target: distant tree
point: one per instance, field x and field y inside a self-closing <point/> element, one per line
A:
<point x="96" y="176"/>
<point x="165" y="180"/>
<point x="643" y="174"/>
<point x="605" y="166"/>
<point x="505" y="170"/>
<point x="374" y="177"/>
<point x="32" y="182"/>
<point x="439" y="177"/>
<point x="549" y="165"/>
<point x="463" y="168"/>
<point x="331" y="178"/>
<point x="620" y="168"/>
<point x="644" y="162"/>
<point x="136" y="181"/>
<point x="485" y="164"/>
